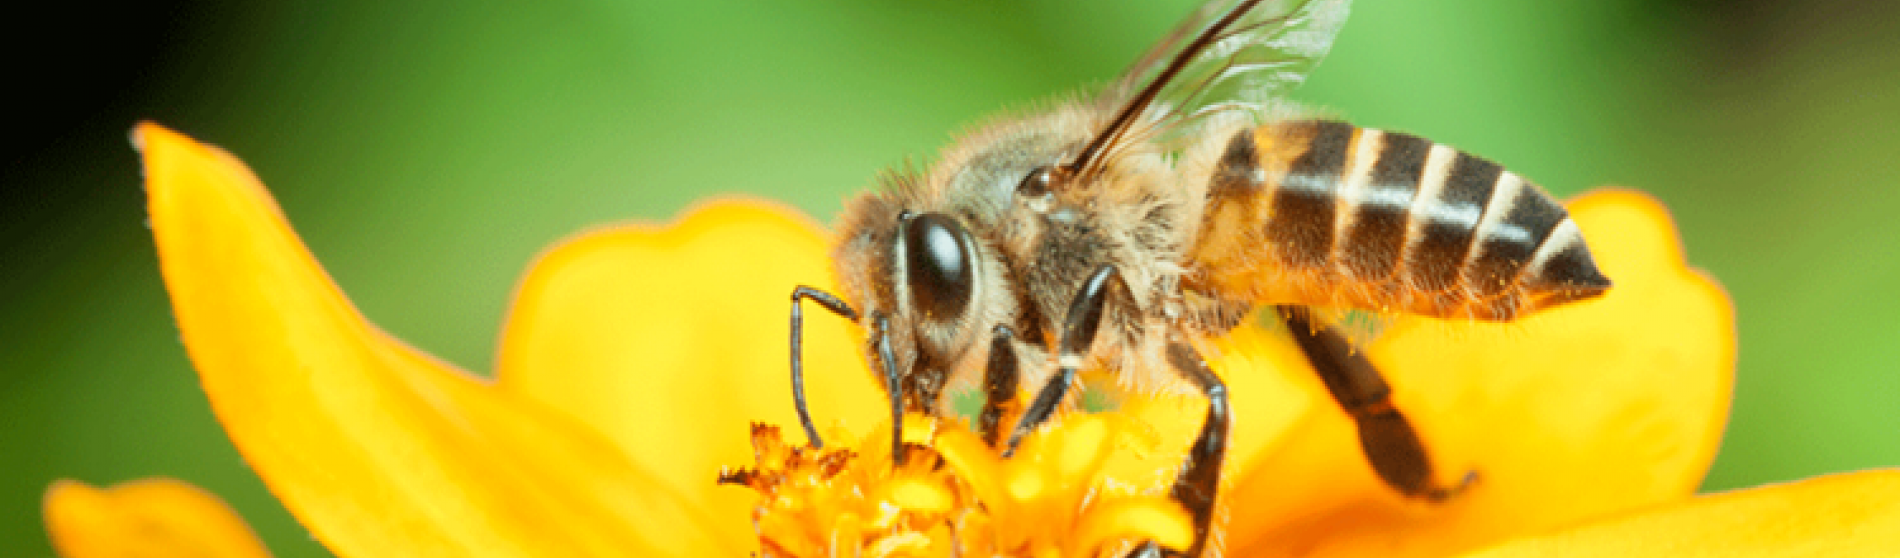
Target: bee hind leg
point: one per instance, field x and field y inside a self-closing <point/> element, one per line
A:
<point x="1386" y="438"/>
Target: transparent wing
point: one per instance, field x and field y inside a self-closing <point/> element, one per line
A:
<point x="1267" y="49"/>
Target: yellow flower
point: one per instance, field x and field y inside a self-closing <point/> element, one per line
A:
<point x="635" y="359"/>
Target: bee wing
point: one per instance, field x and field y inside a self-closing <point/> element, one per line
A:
<point x="1266" y="50"/>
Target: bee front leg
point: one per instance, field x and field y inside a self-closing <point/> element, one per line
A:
<point x="881" y="328"/>
<point x="893" y="386"/>
<point x="836" y="306"/>
<point x="1385" y="436"/>
<point x="1078" y="334"/>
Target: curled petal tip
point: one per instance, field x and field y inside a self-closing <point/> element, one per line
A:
<point x="158" y="517"/>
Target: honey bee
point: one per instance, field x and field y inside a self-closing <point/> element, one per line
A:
<point x="1109" y="233"/>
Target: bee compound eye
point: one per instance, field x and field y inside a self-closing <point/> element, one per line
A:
<point x="938" y="265"/>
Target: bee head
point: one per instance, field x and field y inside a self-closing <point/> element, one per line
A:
<point x="926" y="282"/>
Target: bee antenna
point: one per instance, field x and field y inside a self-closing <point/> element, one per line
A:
<point x="1134" y="107"/>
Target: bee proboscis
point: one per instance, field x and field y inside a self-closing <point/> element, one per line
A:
<point x="1110" y="233"/>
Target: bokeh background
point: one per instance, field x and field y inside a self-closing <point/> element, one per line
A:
<point x="427" y="151"/>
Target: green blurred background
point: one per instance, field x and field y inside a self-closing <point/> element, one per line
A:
<point x="427" y="151"/>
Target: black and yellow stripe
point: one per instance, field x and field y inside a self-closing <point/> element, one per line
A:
<point x="1390" y="221"/>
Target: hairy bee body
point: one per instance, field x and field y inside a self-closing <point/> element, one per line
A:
<point x="1307" y="212"/>
<point x="1111" y="234"/>
<point x="1030" y="251"/>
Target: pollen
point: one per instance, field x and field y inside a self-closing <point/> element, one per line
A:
<point x="951" y="495"/>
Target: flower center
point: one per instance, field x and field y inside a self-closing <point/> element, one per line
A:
<point x="954" y="496"/>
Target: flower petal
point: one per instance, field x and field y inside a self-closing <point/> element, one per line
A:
<point x="154" y="517"/>
<point x="1582" y="410"/>
<point x="377" y="448"/>
<point x="672" y="339"/>
<point x="1853" y="514"/>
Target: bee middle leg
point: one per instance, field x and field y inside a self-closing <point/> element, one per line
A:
<point x="1000" y="377"/>
<point x="1198" y="483"/>
<point x="1078" y="333"/>
<point x="1386" y="438"/>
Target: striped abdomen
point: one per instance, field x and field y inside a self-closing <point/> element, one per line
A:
<point x="1330" y="214"/>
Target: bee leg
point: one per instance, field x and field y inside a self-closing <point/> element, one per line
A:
<point x="1196" y="486"/>
<point x="893" y="387"/>
<point x="1078" y="333"/>
<point x="999" y="384"/>
<point x="1385" y="436"/>
<point x="836" y="306"/>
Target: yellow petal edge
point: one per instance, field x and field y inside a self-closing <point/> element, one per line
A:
<point x="1843" y="515"/>
<point x="378" y="449"/>
<point x="154" y="518"/>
